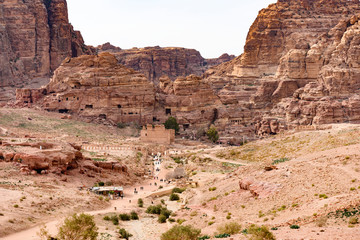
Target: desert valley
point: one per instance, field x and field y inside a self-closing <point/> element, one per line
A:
<point x="161" y="143"/>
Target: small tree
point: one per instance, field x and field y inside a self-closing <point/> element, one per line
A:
<point x="180" y="232"/>
<point x="212" y="134"/>
<point x="124" y="234"/>
<point x="140" y="202"/>
<point x="171" y="123"/>
<point x="174" y="197"/>
<point x="79" y="227"/>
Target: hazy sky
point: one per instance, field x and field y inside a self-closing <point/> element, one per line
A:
<point x="211" y="26"/>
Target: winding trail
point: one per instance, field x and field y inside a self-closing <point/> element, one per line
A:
<point x="129" y="202"/>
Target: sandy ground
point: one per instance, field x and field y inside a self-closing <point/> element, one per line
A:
<point x="317" y="173"/>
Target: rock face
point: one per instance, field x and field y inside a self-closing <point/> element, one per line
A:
<point x="35" y="37"/>
<point x="157" y="62"/>
<point x="334" y="96"/>
<point x="59" y="158"/>
<point x="300" y="67"/>
<point x="287" y="48"/>
<point x="96" y="87"/>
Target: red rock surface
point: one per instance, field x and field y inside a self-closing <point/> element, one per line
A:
<point x="299" y="67"/>
<point x="157" y="62"/>
<point x="43" y="158"/>
<point x="35" y="37"/>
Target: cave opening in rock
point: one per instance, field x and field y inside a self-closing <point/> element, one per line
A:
<point x="168" y="111"/>
<point x="63" y="110"/>
<point x="89" y="106"/>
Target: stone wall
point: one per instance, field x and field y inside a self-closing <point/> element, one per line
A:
<point x="157" y="134"/>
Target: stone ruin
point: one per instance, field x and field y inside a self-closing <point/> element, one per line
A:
<point x="157" y="134"/>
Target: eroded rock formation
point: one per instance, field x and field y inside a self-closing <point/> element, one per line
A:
<point x="157" y="62"/>
<point x="53" y="157"/>
<point x="35" y="37"/>
<point x="299" y="67"/>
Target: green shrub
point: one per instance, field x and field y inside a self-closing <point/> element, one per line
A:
<point x="223" y="235"/>
<point x="162" y="218"/>
<point x="229" y="228"/>
<point x="171" y="220"/>
<point x="212" y="134"/>
<point x="212" y="189"/>
<point x="134" y="216"/>
<point x="121" y="125"/>
<point x="204" y="237"/>
<point x="124" y="217"/>
<point x="165" y="212"/>
<point x="281" y="160"/>
<point x="154" y="209"/>
<point x="260" y="233"/>
<point x="101" y="184"/>
<point x="180" y="232"/>
<point x="172" y="123"/>
<point x="115" y="220"/>
<point x="106" y="218"/>
<point x="80" y="226"/>
<point x="178" y="190"/>
<point x="124" y="234"/>
<point x="174" y="197"/>
<point x="294" y="226"/>
<point x="140" y="202"/>
<point x="16" y="206"/>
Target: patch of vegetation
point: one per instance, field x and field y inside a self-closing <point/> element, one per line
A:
<point x="294" y="226"/>
<point x="212" y="134"/>
<point x="180" y="232"/>
<point x="80" y="226"/>
<point x="99" y="159"/>
<point x="281" y="160"/>
<point x="229" y="228"/>
<point x="121" y="125"/>
<point x="345" y="213"/>
<point x="203" y="237"/>
<point x="163" y="212"/>
<point x="212" y="189"/>
<point x="124" y="234"/>
<point x="258" y="233"/>
<point x="178" y="190"/>
<point x="140" y="202"/>
<point x="134" y="215"/>
<point x="174" y="197"/>
<point x="114" y="219"/>
<point x="124" y="217"/>
<point x="223" y="235"/>
<point x="177" y="160"/>
<point x="172" y="123"/>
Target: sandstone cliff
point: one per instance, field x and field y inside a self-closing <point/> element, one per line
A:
<point x="334" y="96"/>
<point x="299" y="67"/>
<point x="35" y="37"/>
<point x="156" y="62"/>
<point x="96" y="87"/>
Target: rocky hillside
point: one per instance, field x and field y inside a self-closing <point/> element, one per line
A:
<point x="299" y="67"/>
<point x="157" y="62"/>
<point x="35" y="37"/>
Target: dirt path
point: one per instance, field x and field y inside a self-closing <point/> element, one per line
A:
<point x="223" y="160"/>
<point x="128" y="203"/>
